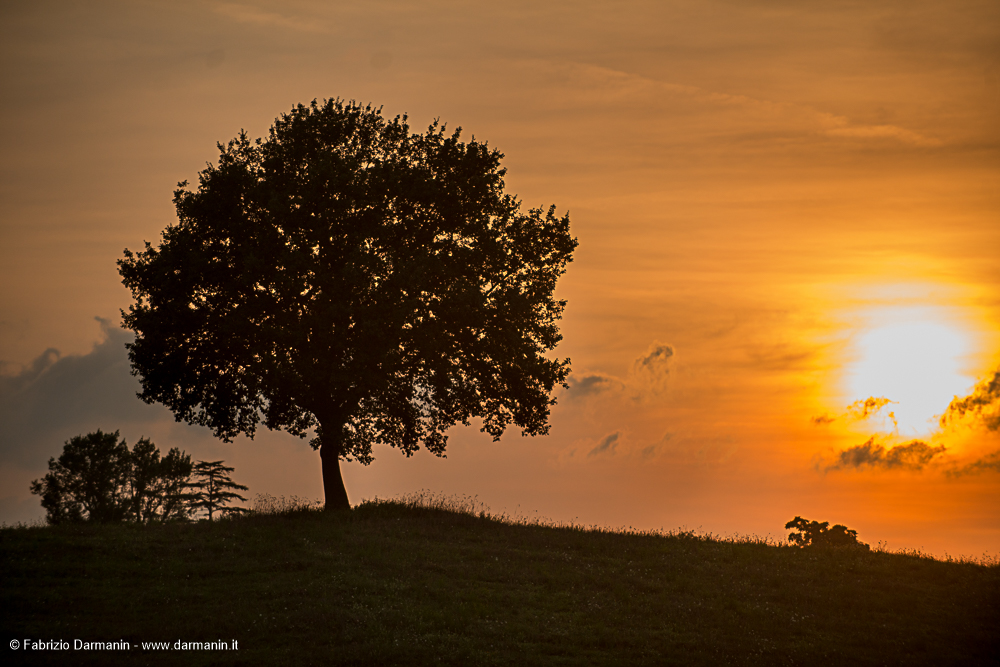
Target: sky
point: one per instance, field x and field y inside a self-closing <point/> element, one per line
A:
<point x="786" y="297"/>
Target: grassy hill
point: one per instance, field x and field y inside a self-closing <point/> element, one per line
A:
<point x="402" y="583"/>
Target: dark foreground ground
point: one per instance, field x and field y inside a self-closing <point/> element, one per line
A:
<point x="390" y="583"/>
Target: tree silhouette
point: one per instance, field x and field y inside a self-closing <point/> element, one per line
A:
<point x="816" y="534"/>
<point x="97" y="478"/>
<point x="157" y="484"/>
<point x="347" y="275"/>
<point x="212" y="481"/>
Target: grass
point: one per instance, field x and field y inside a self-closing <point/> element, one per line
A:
<point x="431" y="580"/>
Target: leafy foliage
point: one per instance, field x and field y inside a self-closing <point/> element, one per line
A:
<point x="212" y="481"/>
<point x="816" y="534"/>
<point x="157" y="484"/>
<point x="97" y="478"/>
<point x="348" y="275"/>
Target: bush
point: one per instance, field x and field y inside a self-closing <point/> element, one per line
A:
<point x="816" y="534"/>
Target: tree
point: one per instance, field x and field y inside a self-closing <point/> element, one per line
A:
<point x="212" y="480"/>
<point x="347" y="275"/>
<point x="97" y="478"/>
<point x="158" y="485"/>
<point x="816" y="534"/>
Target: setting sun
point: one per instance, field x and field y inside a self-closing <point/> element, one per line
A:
<point x="915" y="361"/>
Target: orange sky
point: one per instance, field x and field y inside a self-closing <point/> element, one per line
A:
<point x="788" y="196"/>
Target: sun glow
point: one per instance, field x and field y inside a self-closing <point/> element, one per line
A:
<point x="915" y="358"/>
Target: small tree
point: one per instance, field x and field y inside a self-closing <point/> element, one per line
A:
<point x="212" y="482"/>
<point x="97" y="478"/>
<point x="816" y="534"/>
<point x="158" y="485"/>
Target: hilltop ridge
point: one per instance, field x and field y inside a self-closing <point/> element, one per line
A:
<point x="396" y="582"/>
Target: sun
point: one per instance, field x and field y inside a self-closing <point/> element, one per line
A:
<point x="915" y="359"/>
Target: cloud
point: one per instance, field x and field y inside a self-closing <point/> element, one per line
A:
<point x="656" y="357"/>
<point x="608" y="444"/>
<point x="857" y="411"/>
<point x="650" y="371"/>
<point x="592" y="384"/>
<point x="990" y="462"/>
<point x="657" y="447"/>
<point x="839" y="126"/>
<point x="779" y="358"/>
<point x="869" y="406"/>
<point x="58" y="397"/>
<point x="786" y="118"/>
<point x="913" y="455"/>
<point x="620" y="444"/>
<point x="646" y="379"/>
<point x="982" y="405"/>
<point x="246" y="14"/>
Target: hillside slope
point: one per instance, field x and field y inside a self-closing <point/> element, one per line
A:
<point x="393" y="583"/>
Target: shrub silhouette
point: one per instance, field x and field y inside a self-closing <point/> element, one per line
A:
<point x="816" y="534"/>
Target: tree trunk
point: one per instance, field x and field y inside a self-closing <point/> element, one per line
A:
<point x="333" y="482"/>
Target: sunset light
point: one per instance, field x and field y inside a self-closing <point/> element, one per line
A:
<point x="916" y="362"/>
<point x="650" y="283"/>
<point x="783" y="296"/>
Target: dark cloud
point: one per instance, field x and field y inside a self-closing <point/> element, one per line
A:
<point x="989" y="463"/>
<point x="982" y="405"/>
<point x="594" y="383"/>
<point x="913" y="455"/>
<point x="607" y="444"/>
<point x="857" y="411"/>
<point x="650" y="371"/>
<point x="869" y="406"/>
<point x="57" y="397"/>
<point x="823" y="420"/>
<point x="655" y="448"/>
<point x="657" y="356"/>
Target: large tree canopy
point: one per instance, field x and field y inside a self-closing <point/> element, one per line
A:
<point x="348" y="275"/>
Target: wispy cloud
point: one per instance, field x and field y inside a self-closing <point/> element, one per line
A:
<point x="857" y="411"/>
<point x="869" y="406"/>
<point x="656" y="357"/>
<point x="248" y="14"/>
<point x="619" y="444"/>
<point x="790" y="118"/>
<point x="648" y="377"/>
<point x="655" y="448"/>
<point x="607" y="444"/>
<point x="840" y="126"/>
